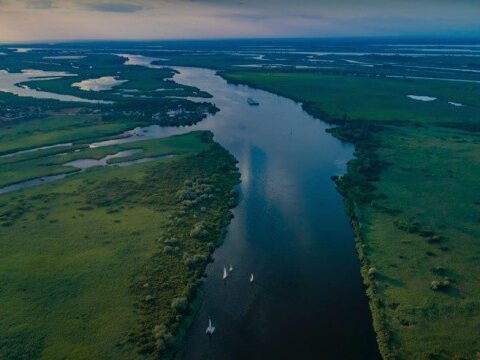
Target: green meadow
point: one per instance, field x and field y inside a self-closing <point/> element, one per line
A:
<point x="105" y="264"/>
<point x="413" y="195"/>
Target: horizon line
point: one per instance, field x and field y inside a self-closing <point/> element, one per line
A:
<point x="440" y="38"/>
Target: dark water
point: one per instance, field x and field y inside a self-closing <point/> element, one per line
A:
<point x="290" y="230"/>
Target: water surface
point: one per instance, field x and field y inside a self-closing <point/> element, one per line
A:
<point x="10" y="83"/>
<point x="290" y="230"/>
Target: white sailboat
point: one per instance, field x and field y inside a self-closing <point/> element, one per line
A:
<point x="210" y="328"/>
<point x="251" y="279"/>
<point x="231" y="268"/>
<point x="225" y="274"/>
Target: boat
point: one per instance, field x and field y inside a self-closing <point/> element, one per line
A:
<point x="225" y="274"/>
<point x="251" y="279"/>
<point x="210" y="328"/>
<point x="231" y="268"/>
<point x="252" y="102"/>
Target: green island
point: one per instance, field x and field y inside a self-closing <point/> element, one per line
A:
<point x="413" y="196"/>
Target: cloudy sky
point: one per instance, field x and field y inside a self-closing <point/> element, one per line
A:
<point x="37" y="20"/>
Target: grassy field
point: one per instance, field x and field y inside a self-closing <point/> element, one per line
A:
<point x="413" y="195"/>
<point x="54" y="161"/>
<point x="368" y="98"/>
<point x="105" y="265"/>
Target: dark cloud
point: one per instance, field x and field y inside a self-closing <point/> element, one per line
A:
<point x="39" y="4"/>
<point x="116" y="8"/>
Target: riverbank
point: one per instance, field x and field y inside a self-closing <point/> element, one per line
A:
<point x="409" y="195"/>
<point x="107" y="263"/>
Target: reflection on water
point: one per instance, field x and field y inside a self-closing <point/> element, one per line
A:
<point x="101" y="84"/>
<point x="9" y="84"/>
<point x="141" y="60"/>
<point x="290" y="230"/>
<point x="90" y="163"/>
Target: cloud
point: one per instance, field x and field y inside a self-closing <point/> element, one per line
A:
<point x="24" y="20"/>
<point x="116" y="8"/>
<point x="39" y="4"/>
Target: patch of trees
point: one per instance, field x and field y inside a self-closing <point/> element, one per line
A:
<point x="167" y="287"/>
<point x="365" y="169"/>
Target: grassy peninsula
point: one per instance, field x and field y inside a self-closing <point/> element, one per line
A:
<point x="105" y="264"/>
<point x="413" y="196"/>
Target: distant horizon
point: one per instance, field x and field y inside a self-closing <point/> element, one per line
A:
<point x="412" y="39"/>
<point x="40" y="21"/>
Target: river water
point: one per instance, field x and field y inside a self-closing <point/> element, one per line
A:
<point x="290" y="230"/>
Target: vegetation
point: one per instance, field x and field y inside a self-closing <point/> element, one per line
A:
<point x="411" y="194"/>
<point x="106" y="264"/>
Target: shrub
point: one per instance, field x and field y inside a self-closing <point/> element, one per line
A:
<point x="199" y="231"/>
<point x="435" y="239"/>
<point x="439" y="270"/>
<point x="372" y="272"/>
<point x="168" y="249"/>
<point x="180" y="305"/>
<point x="440" y="285"/>
<point x="195" y="261"/>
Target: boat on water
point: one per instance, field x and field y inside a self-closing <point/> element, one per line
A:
<point x="251" y="279"/>
<point x="231" y="268"/>
<point x="225" y="274"/>
<point x="252" y="102"/>
<point x="210" y="329"/>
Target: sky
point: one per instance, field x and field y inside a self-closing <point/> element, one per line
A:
<point x="50" y="20"/>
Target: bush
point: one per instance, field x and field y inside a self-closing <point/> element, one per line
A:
<point x="168" y="249"/>
<point x="180" y="305"/>
<point x="440" y="285"/>
<point x="199" y="231"/>
<point x="435" y="239"/>
<point x="195" y="261"/>
<point x="372" y="272"/>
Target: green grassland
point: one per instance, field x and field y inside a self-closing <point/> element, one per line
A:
<point x="105" y="265"/>
<point x="414" y="198"/>
<point x="369" y="98"/>
<point x="58" y="128"/>
<point x="53" y="161"/>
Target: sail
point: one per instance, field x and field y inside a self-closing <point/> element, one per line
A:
<point x="251" y="278"/>
<point x="210" y="328"/>
<point x="225" y="274"/>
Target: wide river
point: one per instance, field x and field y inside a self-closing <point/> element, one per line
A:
<point x="290" y="230"/>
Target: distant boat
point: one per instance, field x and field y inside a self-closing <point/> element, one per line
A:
<point x="225" y="274"/>
<point x="252" y="102"/>
<point x="231" y="268"/>
<point x="251" y="279"/>
<point x="210" y="328"/>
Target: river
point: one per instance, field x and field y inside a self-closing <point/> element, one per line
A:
<point x="290" y="229"/>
